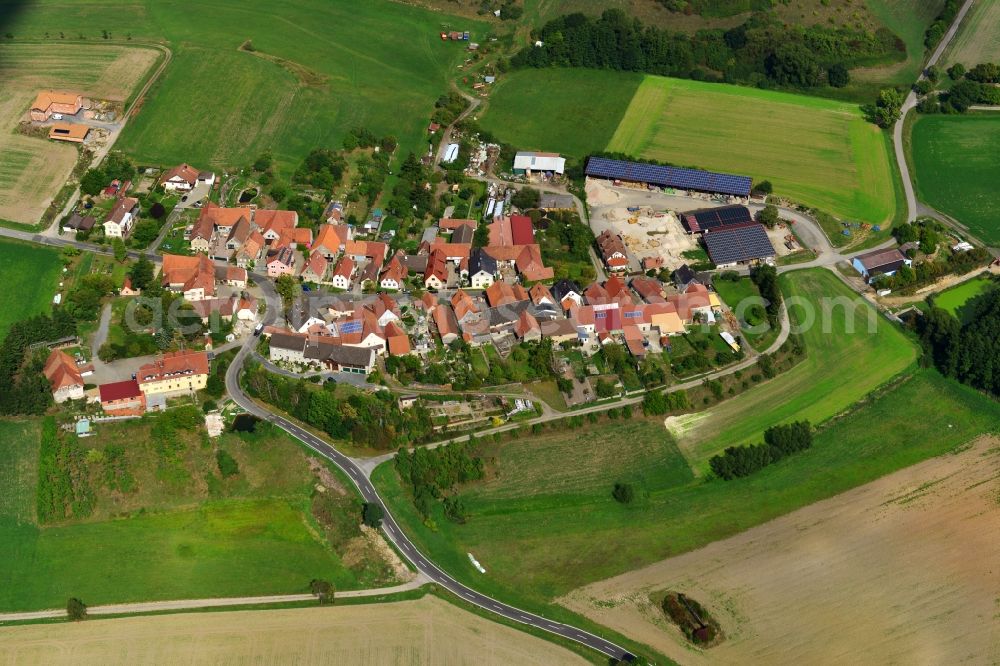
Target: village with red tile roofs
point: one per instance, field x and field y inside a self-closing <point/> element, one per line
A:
<point x="556" y="383"/>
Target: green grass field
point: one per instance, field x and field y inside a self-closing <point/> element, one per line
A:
<point x="909" y="20"/>
<point x="375" y="64"/>
<point x="956" y="163"/>
<point x="840" y="368"/>
<point x="820" y="152"/>
<point x="547" y="523"/>
<point x="742" y="291"/>
<point x="30" y="274"/>
<point x="182" y="532"/>
<point x="570" y="111"/>
<point x="954" y="299"/>
<point x="978" y="39"/>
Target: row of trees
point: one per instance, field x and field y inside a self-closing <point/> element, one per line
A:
<point x="763" y="51"/>
<point x="766" y="279"/>
<point x="373" y="420"/>
<point x="967" y="352"/>
<point x="779" y="441"/>
<point x="431" y="473"/>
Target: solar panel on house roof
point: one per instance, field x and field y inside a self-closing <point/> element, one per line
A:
<point x="633" y="314"/>
<point x="688" y="179"/>
<point x="351" y="327"/>
<point x="735" y="244"/>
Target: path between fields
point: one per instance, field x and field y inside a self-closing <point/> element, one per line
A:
<point x="908" y="105"/>
<point x="218" y="602"/>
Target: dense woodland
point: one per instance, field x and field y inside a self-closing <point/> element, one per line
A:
<point x="763" y="51"/>
<point x="968" y="352"/>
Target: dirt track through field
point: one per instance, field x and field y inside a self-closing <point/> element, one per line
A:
<point x="903" y="570"/>
<point x="423" y="631"/>
<point x="33" y="169"/>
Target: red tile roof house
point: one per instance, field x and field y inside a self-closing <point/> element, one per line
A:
<point x="121" y="218"/>
<point x="64" y="376"/>
<point x="341" y="278"/>
<point x="331" y="240"/>
<point x="447" y="325"/>
<point x="49" y="102"/>
<point x="281" y="263"/>
<point x="122" y="398"/>
<point x="397" y="341"/>
<point x="394" y="275"/>
<point x="315" y="268"/>
<point x="192" y="276"/>
<point x="184" y="177"/>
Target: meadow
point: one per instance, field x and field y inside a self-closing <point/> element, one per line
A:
<point x="31" y="272"/>
<point x="909" y="20"/>
<point x="541" y="536"/>
<point x="978" y="38"/>
<point x="819" y="152"/>
<point x="33" y="169"/>
<point x="570" y="111"/>
<point x="303" y="86"/>
<point x="844" y="362"/>
<point x="956" y="298"/>
<point x="956" y="163"/>
<point x="176" y="529"/>
<point x="733" y="293"/>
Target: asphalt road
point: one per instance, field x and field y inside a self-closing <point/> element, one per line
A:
<point x="392" y="530"/>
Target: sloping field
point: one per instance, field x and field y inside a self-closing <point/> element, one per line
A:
<point x="29" y="274"/>
<point x="318" y="69"/>
<point x="816" y="151"/>
<point x="978" y="38"/>
<point x="902" y="570"/>
<point x="31" y="169"/>
<point x="957" y="167"/>
<point x="570" y="111"/>
<point x="424" y="631"/>
<point x="845" y="360"/>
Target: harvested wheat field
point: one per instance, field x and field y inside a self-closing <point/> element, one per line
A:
<point x="903" y="570"/>
<point x="32" y="169"/>
<point x="424" y="631"/>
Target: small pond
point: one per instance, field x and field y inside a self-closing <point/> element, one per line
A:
<point x="247" y="195"/>
<point x="245" y="423"/>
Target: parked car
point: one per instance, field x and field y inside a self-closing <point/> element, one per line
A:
<point x="258" y="329"/>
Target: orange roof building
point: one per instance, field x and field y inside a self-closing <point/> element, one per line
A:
<point x="180" y="371"/>
<point x="49" y="102"/>
<point x="64" y="376"/>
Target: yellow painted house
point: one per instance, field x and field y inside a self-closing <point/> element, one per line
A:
<point x="176" y="372"/>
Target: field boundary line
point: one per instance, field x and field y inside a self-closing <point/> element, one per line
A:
<point x="219" y="602"/>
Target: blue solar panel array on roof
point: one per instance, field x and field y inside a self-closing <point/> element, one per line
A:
<point x="351" y="327"/>
<point x="685" y="179"/>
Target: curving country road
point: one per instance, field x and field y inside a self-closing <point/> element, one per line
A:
<point x="912" y="207"/>
<point x="390" y="527"/>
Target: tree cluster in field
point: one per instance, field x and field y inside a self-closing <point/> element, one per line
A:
<point x="448" y="108"/>
<point x="657" y="403"/>
<point x="975" y="86"/>
<point x="967" y="352"/>
<point x="692" y="619"/>
<point x="23" y="387"/>
<point x="763" y="51"/>
<point x="779" y="441"/>
<point x="887" y="108"/>
<point x="936" y="30"/>
<point x="115" y="166"/>
<point x="766" y="279"/>
<point x="371" y="420"/>
<point x="432" y="475"/>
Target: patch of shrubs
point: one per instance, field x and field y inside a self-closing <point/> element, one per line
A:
<point x="694" y="621"/>
<point x="779" y="441"/>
